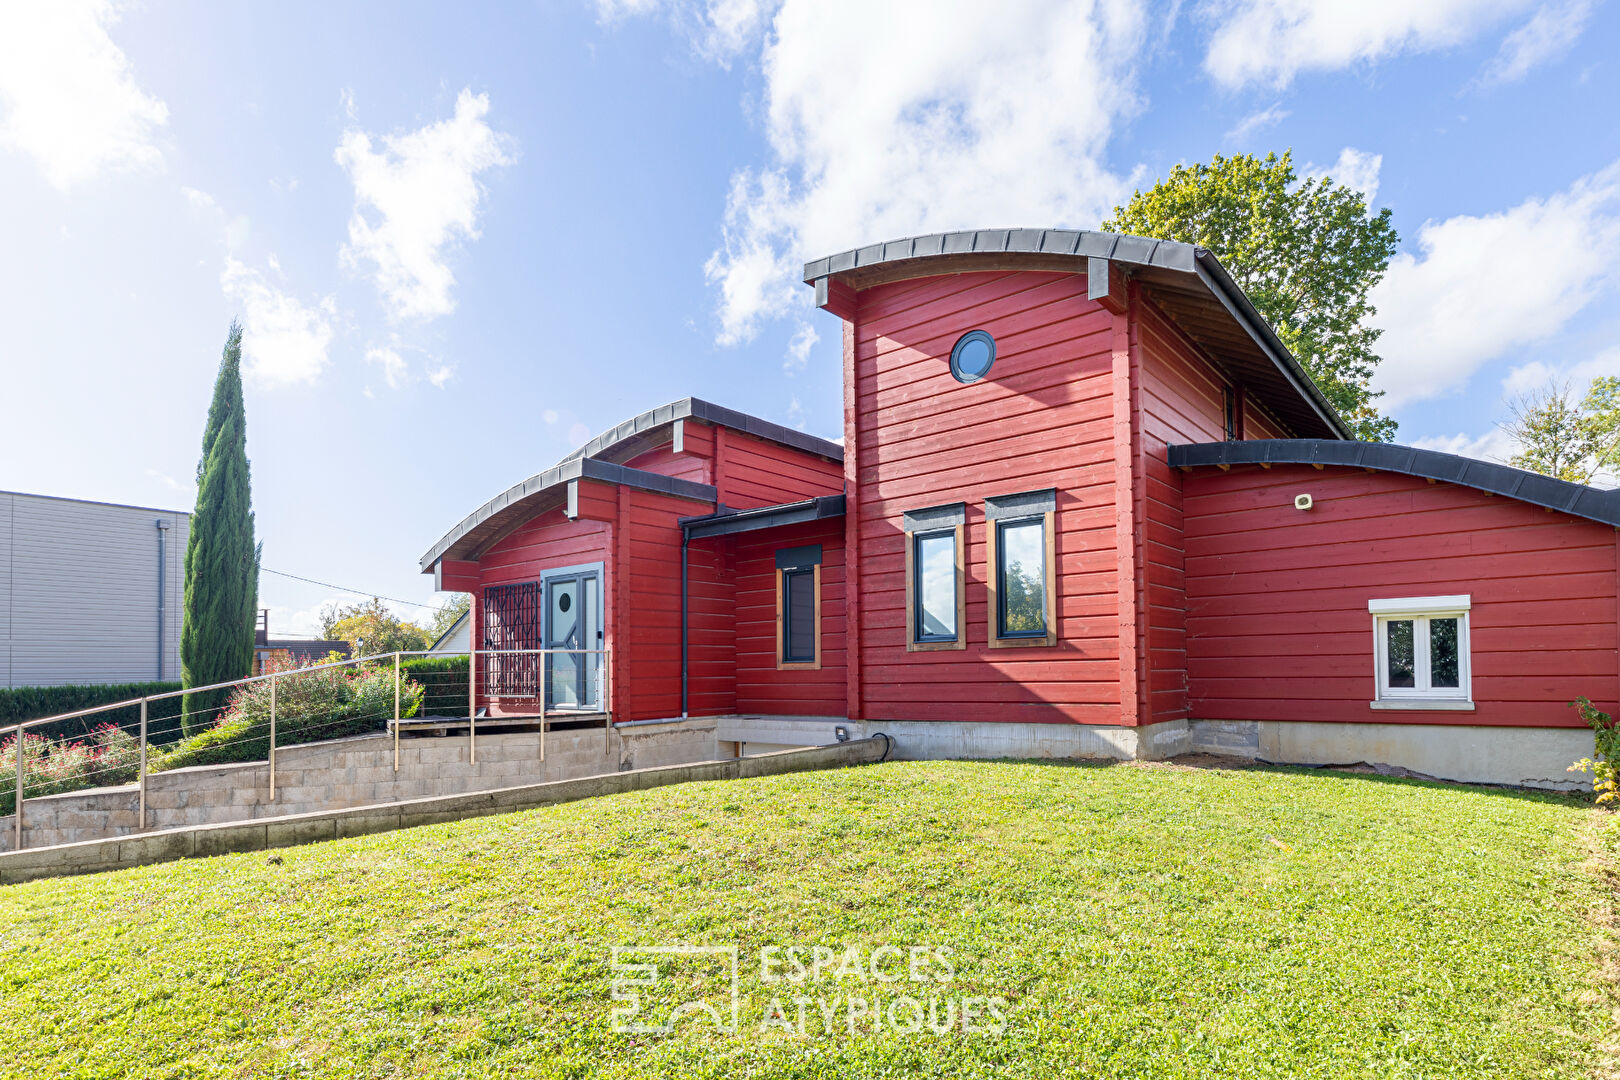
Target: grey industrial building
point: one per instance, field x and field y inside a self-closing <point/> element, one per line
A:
<point x="89" y="592"/>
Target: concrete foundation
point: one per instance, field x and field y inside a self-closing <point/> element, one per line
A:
<point x="355" y="772"/>
<point x="1518" y="757"/>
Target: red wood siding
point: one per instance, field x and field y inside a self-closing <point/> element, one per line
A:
<point x="546" y="542"/>
<point x="761" y="688"/>
<point x="1181" y="400"/>
<point x="1042" y="419"/>
<point x="1277" y="597"/>
<point x="755" y="472"/>
<point x="711" y="628"/>
<point x="650" y="603"/>
<point x="694" y="462"/>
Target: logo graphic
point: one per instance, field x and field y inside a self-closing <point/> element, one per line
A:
<point x="657" y="987"/>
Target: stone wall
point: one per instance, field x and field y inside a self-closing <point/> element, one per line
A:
<point x="355" y="772"/>
<point x="200" y="841"/>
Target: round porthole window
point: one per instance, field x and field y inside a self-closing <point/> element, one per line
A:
<point x="972" y="356"/>
<point x="564" y="602"/>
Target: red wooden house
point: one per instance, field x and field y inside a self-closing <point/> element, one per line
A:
<point x="1085" y="504"/>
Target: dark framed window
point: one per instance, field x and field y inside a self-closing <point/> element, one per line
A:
<point x="1021" y="578"/>
<point x="1022" y="609"/>
<point x="972" y="356"/>
<point x="798" y="607"/>
<point x="934" y="578"/>
<point x="933" y="614"/>
<point x="799" y="616"/>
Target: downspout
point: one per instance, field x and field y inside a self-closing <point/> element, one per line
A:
<point x="685" y="539"/>
<point x="163" y="532"/>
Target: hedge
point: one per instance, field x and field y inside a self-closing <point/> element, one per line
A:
<point x="32" y="702"/>
<point x="444" y="678"/>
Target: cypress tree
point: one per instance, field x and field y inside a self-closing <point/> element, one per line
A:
<point x="222" y="561"/>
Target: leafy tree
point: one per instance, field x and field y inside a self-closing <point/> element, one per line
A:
<point x="222" y="560"/>
<point x="1307" y="253"/>
<point x="372" y="627"/>
<point x="1562" y="436"/>
<point x="445" y="617"/>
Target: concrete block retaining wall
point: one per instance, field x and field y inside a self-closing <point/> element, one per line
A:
<point x="354" y="772"/>
<point x="117" y="853"/>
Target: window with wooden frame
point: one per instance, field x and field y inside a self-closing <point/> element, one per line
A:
<point x="798" y="608"/>
<point x="934" y="578"/>
<point x="1020" y="569"/>
<point x="1421" y="653"/>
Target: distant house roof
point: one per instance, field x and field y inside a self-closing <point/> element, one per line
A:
<point x="1188" y="282"/>
<point x="1580" y="500"/>
<point x="450" y="631"/>
<point x="601" y="459"/>
<point x="305" y="650"/>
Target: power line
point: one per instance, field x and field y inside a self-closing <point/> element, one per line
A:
<point x="340" y="588"/>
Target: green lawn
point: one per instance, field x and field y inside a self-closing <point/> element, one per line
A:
<point x="1137" y="921"/>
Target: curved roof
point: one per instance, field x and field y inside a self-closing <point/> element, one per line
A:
<point x="1580" y="500"/>
<point x="1189" y="283"/>
<point x="601" y="459"/>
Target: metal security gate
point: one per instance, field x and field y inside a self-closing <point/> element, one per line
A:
<point x="512" y="617"/>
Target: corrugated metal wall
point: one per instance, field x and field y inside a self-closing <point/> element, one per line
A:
<point x="79" y="592"/>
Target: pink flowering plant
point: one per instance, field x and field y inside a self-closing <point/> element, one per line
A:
<point x="311" y="704"/>
<point x="108" y="755"/>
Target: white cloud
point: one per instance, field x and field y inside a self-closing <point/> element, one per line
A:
<point x="1272" y="41"/>
<point x="1547" y="36"/>
<point x="440" y="375"/>
<point x="716" y="29"/>
<point x="798" y="355"/>
<point x="392" y="364"/>
<point x="881" y="124"/>
<point x="68" y="95"/>
<point x="1265" y="118"/>
<point x="1495" y="445"/>
<point x="233" y="231"/>
<point x="1485" y="286"/>
<point x="1356" y="169"/>
<point x="1537" y="374"/>
<point x="284" y="341"/>
<point x="414" y="199"/>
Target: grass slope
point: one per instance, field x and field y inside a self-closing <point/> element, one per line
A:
<point x="1140" y="921"/>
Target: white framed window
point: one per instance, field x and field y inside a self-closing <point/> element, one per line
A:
<point x="1422" y="652"/>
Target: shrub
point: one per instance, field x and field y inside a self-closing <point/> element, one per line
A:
<point x="1605" y="769"/>
<point x="108" y="755"/>
<point x="32" y="702"/>
<point x="311" y="705"/>
<point x="444" y="678"/>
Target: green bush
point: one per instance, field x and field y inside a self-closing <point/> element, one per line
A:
<point x="1605" y="769"/>
<point x="32" y="702"/>
<point x="108" y="755"/>
<point x="444" y="680"/>
<point x="311" y="706"/>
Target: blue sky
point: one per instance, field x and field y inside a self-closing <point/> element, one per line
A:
<point x="465" y="239"/>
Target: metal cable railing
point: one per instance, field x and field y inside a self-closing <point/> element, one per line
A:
<point x="254" y="723"/>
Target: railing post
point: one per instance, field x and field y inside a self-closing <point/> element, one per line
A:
<point x="272" y="738"/>
<point x="396" y="712"/>
<point x="18" y="801"/>
<point x="142" y="826"/>
<point x="607" y="704"/>
<point x="472" y="706"/>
